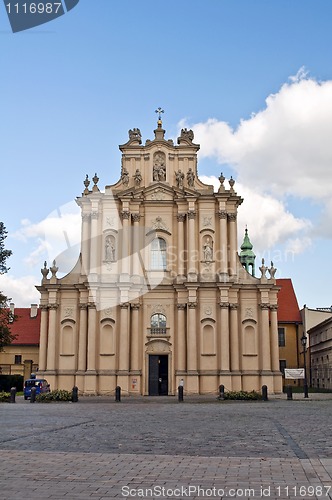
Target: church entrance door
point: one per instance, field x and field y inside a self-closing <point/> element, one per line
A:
<point x="158" y="375"/>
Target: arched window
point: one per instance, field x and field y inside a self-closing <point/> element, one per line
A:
<point x="158" y="324"/>
<point x="158" y="254"/>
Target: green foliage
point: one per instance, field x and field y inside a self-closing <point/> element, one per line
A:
<point x="243" y="395"/>
<point x="58" y="395"/>
<point x="4" y="397"/>
<point x="6" y="317"/>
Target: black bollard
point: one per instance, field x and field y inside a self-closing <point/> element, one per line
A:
<point x="118" y="394"/>
<point x="33" y="395"/>
<point x="221" y="392"/>
<point x="289" y="392"/>
<point x="264" y="393"/>
<point x="74" y="394"/>
<point x="12" y="394"/>
<point x="180" y="393"/>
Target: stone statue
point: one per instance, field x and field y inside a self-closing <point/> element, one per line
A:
<point x="109" y="249"/>
<point x="187" y="134"/>
<point x="208" y="251"/>
<point x="137" y="178"/>
<point x="159" y="167"/>
<point x="190" y="177"/>
<point x="179" y="178"/>
<point x="134" y="134"/>
<point x="125" y="177"/>
<point x="263" y="269"/>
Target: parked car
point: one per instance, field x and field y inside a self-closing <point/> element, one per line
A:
<point x="40" y="384"/>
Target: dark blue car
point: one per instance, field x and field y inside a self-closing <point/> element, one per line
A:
<point x="40" y="384"/>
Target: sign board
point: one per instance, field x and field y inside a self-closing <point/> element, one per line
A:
<point x="294" y="373"/>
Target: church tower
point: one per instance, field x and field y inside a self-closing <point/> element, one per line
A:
<point x="159" y="294"/>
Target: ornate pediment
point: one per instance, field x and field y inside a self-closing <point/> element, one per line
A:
<point x="159" y="193"/>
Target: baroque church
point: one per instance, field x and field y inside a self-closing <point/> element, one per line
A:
<point x="160" y="296"/>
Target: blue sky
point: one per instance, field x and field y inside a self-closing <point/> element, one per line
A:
<point x="253" y="75"/>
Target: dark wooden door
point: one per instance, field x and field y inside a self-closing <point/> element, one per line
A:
<point x="158" y="375"/>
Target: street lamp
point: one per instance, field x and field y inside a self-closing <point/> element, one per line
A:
<point x="305" y="383"/>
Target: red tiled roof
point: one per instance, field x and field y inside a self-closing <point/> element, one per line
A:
<point x="288" y="308"/>
<point x="27" y="329"/>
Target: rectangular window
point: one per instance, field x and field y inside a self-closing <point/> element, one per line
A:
<point x="281" y="337"/>
<point x="282" y="365"/>
<point x="18" y="359"/>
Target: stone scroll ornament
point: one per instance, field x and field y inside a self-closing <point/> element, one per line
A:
<point x="27" y="14"/>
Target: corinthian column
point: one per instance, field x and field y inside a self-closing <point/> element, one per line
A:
<point x="181" y="337"/>
<point x="232" y="244"/>
<point x="223" y="261"/>
<point x="82" y="338"/>
<point x="124" y="337"/>
<point x="125" y="242"/>
<point x="181" y="218"/>
<point x="274" y="338"/>
<point x="136" y="245"/>
<point x="235" y="345"/>
<point x="265" y="338"/>
<point x="43" y="338"/>
<point x="224" y="344"/>
<point x="94" y="242"/>
<point x="92" y="323"/>
<point x="192" y="252"/>
<point x="134" y="344"/>
<point x="51" y="345"/>
<point x="192" y="338"/>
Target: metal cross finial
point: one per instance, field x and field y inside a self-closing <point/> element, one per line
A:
<point x="159" y="111"/>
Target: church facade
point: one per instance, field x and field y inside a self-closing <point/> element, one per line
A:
<point x="159" y="296"/>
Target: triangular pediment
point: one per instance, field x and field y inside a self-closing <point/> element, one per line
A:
<point x="159" y="191"/>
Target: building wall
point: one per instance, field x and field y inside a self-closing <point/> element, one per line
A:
<point x="321" y="355"/>
<point x="221" y="323"/>
<point x="7" y="359"/>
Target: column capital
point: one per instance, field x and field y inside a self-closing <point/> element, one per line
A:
<point x="192" y="305"/>
<point x="191" y="214"/>
<point x="232" y="217"/>
<point x="124" y="305"/>
<point x="234" y="306"/>
<point x="224" y="305"/>
<point x="181" y="217"/>
<point x="264" y="306"/>
<point x="181" y="307"/>
<point x="86" y="217"/>
<point x="135" y="306"/>
<point x="83" y="306"/>
<point x="136" y="217"/>
<point x="94" y="215"/>
<point x="43" y="307"/>
<point x="222" y="214"/>
<point x="274" y="307"/>
<point x="53" y="306"/>
<point x="91" y="305"/>
<point x="125" y="214"/>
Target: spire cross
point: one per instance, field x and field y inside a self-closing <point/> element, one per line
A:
<point x="159" y="111"/>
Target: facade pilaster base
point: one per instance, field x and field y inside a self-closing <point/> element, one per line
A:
<point x="123" y="382"/>
<point x="191" y="383"/>
<point x="79" y="381"/>
<point x="181" y="278"/>
<point x="272" y="380"/>
<point x="236" y="381"/>
<point x="225" y="379"/>
<point x="90" y="382"/>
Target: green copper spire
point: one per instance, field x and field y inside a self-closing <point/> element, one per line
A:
<point x="247" y="256"/>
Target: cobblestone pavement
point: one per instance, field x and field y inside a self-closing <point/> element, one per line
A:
<point x="201" y="448"/>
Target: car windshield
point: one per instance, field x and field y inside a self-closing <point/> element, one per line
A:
<point x="33" y="383"/>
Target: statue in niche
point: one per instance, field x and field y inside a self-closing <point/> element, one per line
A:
<point x="208" y="251"/>
<point x="138" y="178"/>
<point x="190" y="177"/>
<point x="125" y="176"/>
<point x="110" y="249"/>
<point x="159" y="167"/>
<point x="179" y="176"/>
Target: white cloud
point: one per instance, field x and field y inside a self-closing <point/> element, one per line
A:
<point x="22" y="290"/>
<point x="269" y="222"/>
<point x="284" y="149"/>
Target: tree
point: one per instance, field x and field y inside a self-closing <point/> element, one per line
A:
<point x="6" y="316"/>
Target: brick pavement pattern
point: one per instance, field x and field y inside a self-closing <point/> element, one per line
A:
<point x="159" y="448"/>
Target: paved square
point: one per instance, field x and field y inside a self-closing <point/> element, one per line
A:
<point x="159" y="448"/>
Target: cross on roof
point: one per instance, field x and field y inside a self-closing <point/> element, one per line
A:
<point x="159" y="111"/>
